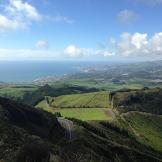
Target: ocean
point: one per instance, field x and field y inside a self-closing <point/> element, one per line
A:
<point x="27" y="71"/>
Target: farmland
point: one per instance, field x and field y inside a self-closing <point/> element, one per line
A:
<point x="86" y="106"/>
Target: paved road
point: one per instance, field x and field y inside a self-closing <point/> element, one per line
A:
<point x="68" y="125"/>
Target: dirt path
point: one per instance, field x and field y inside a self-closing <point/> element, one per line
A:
<point x="130" y="126"/>
<point x="110" y="113"/>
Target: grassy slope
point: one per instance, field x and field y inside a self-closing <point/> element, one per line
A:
<point x="86" y="100"/>
<point x="147" y="127"/>
<point x="87" y="114"/>
<point x="87" y="106"/>
<point x="98" y="99"/>
<point x="107" y="137"/>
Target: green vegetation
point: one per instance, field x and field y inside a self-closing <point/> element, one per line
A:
<point x="98" y="130"/>
<point x="31" y="95"/>
<point x="28" y="133"/>
<point x="144" y="100"/>
<point x="83" y="114"/>
<point x="106" y="85"/>
<point x="86" y="106"/>
<point x="85" y="100"/>
<point x="131" y="131"/>
<point x="32" y="98"/>
<point x="147" y="128"/>
<point x="16" y="92"/>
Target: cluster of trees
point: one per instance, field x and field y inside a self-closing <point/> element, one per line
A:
<point x="145" y="100"/>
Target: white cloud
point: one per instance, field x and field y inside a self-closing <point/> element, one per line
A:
<point x="23" y="9"/>
<point x="139" y="45"/>
<point x="8" y="24"/>
<point x="139" y="40"/>
<point x="73" y="51"/>
<point x="42" y="44"/>
<point x="18" y="15"/>
<point x="132" y="44"/>
<point x="127" y="16"/>
<point x="129" y="45"/>
<point x="156" y="43"/>
<point x="105" y="53"/>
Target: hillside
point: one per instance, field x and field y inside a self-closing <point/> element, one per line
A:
<point x="145" y="100"/>
<point x="139" y="111"/>
<point x="32" y="94"/>
<point x="110" y="143"/>
<point x="26" y="133"/>
<point x="85" y="100"/>
<point x="16" y="92"/>
<point x="23" y="127"/>
<point x="146" y="127"/>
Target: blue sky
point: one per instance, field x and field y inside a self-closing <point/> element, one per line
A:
<point x="80" y="29"/>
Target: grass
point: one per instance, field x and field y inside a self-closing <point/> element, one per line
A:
<point x="87" y="114"/>
<point x="85" y="100"/>
<point x="86" y="106"/>
<point x="15" y="91"/>
<point x="148" y="128"/>
<point x="84" y="114"/>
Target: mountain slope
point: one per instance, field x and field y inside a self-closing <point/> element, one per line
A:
<point x="28" y="133"/>
<point x="145" y="100"/>
<point x="32" y="98"/>
<point x="146" y="127"/>
<point x="24" y="127"/>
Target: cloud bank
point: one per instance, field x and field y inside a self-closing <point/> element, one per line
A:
<point x="138" y="45"/>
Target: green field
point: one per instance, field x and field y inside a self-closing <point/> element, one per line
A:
<point x="16" y="92"/>
<point x="147" y="127"/>
<point x="87" y="114"/>
<point x="86" y="100"/>
<point x="86" y="106"/>
<point x="91" y="83"/>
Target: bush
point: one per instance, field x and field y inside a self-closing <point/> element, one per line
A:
<point x="57" y="114"/>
